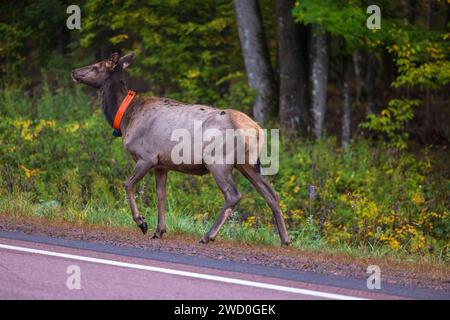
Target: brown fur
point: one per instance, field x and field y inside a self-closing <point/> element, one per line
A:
<point x="242" y="121"/>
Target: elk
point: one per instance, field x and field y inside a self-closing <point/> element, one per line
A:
<point x="146" y="127"/>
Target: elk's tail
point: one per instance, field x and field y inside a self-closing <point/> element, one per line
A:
<point x="253" y="137"/>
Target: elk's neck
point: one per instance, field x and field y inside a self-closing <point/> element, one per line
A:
<point x="113" y="92"/>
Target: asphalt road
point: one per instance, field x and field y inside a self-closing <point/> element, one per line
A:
<point x="33" y="267"/>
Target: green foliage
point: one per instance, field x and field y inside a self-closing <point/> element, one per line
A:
<point x="421" y="56"/>
<point x="30" y="32"/>
<point x="364" y="196"/>
<point x="185" y="50"/>
<point x="392" y="121"/>
<point x="345" y="19"/>
<point x="421" y="59"/>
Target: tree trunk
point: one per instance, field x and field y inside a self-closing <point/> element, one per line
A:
<point x="427" y="90"/>
<point x="357" y="58"/>
<point x="411" y="11"/>
<point x="346" y="105"/>
<point x="256" y="57"/>
<point x="371" y="78"/>
<point x="319" y="77"/>
<point x="294" y="113"/>
<point x="447" y="20"/>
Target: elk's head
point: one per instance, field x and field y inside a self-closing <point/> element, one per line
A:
<point x="97" y="74"/>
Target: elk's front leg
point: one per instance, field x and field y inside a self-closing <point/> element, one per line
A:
<point x="139" y="172"/>
<point x="161" y="178"/>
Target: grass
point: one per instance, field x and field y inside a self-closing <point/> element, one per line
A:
<point x="19" y="206"/>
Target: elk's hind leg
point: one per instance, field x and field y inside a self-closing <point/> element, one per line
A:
<point x="271" y="197"/>
<point x="140" y="170"/>
<point x="224" y="180"/>
<point x="161" y="179"/>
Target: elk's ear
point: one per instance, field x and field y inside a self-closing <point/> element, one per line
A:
<point x="125" y="61"/>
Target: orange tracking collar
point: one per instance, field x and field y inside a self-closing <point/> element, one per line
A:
<point x="123" y="106"/>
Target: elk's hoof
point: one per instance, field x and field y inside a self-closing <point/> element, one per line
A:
<point x="158" y="234"/>
<point x="206" y="239"/>
<point x="143" y="226"/>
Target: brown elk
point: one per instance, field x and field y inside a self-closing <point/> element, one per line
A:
<point x="146" y="128"/>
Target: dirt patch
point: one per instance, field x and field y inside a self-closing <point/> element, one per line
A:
<point x="420" y="274"/>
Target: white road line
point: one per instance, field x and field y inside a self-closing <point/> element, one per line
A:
<point x="241" y="282"/>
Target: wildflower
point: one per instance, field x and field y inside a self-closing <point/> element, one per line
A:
<point x="417" y="199"/>
<point x="29" y="172"/>
<point x="250" y="222"/>
<point x="394" y="244"/>
<point x="312" y="192"/>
